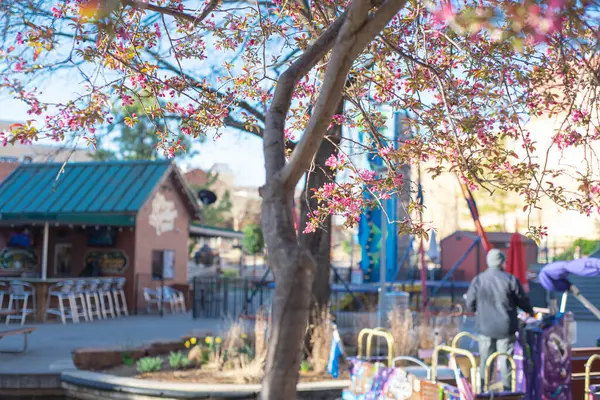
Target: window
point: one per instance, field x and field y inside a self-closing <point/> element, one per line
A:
<point x="62" y="259"/>
<point x="27" y="160"/>
<point x="163" y="264"/>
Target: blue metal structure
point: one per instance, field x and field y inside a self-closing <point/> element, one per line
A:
<point x="369" y="228"/>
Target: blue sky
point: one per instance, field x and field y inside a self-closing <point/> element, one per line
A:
<point x="241" y="152"/>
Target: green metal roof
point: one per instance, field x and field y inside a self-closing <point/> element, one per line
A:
<point x="106" y="193"/>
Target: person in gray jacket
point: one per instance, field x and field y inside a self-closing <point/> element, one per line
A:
<point x="494" y="296"/>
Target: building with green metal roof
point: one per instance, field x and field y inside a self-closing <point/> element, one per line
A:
<point x="117" y="218"/>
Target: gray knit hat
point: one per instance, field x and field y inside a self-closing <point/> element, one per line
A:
<point x="495" y="258"/>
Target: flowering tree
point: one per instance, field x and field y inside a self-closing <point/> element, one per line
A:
<point x="470" y="74"/>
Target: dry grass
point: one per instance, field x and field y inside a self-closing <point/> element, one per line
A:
<point x="410" y="335"/>
<point x="321" y="332"/>
<point x="261" y="328"/>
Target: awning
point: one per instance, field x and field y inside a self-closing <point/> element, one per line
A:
<point x="212" y="231"/>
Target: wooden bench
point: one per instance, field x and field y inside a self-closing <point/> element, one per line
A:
<point x="21" y="331"/>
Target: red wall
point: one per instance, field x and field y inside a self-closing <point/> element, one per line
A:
<point x="455" y="246"/>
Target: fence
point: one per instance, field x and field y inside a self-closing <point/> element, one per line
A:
<point x="216" y="297"/>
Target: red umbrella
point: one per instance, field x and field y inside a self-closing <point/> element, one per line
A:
<point x="516" y="260"/>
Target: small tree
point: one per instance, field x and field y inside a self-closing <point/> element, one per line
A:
<point x="254" y="242"/>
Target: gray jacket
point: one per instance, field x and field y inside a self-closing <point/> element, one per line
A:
<point x="494" y="296"/>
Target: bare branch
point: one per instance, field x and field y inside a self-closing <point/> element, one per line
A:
<point x="210" y="7"/>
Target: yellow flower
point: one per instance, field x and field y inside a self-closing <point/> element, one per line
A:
<point x="208" y="340"/>
<point x="187" y="344"/>
<point x="244" y="336"/>
<point x="218" y="340"/>
<point x="193" y="340"/>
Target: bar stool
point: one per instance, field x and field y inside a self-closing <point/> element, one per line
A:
<point x="61" y="291"/>
<point x="118" y="292"/>
<point x="93" y="299"/>
<point x="21" y="292"/>
<point x="4" y="288"/>
<point x="79" y="305"/>
<point x="106" y="298"/>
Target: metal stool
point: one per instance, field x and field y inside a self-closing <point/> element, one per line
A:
<point x="118" y="292"/>
<point x="79" y="305"/>
<point x="61" y="291"/>
<point x="106" y="298"/>
<point x="93" y="299"/>
<point x="4" y="288"/>
<point x="20" y="292"/>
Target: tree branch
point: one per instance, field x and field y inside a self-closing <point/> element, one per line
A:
<point x="273" y="143"/>
<point x="210" y="7"/>
<point x="170" y="67"/>
<point x="358" y="31"/>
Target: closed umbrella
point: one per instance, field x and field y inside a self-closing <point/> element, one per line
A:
<point x="516" y="260"/>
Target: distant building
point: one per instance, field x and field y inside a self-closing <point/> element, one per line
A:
<point x="39" y="153"/>
<point x="245" y="201"/>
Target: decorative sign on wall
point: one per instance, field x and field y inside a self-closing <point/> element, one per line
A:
<point x="109" y="261"/>
<point x="18" y="259"/>
<point x="163" y="214"/>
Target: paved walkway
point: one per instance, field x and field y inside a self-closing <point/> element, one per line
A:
<point x="50" y="346"/>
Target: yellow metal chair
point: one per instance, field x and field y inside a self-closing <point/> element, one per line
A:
<point x="462" y="363"/>
<point x="488" y="365"/>
<point x="373" y="333"/>
<point x="454" y="351"/>
<point x="461" y="335"/>
<point x="588" y="374"/>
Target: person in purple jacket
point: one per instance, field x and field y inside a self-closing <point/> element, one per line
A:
<point x="495" y="297"/>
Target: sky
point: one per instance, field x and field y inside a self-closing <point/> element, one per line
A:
<point x="241" y="152"/>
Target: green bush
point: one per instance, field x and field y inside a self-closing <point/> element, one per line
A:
<point x="128" y="361"/>
<point x="177" y="360"/>
<point x="149" y="364"/>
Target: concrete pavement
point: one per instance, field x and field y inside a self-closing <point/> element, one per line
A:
<point x="50" y="346"/>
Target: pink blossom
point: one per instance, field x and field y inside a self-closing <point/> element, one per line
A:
<point x="445" y="13"/>
<point x="334" y="162"/>
<point x="57" y="12"/>
<point x="398" y="180"/>
<point x="386" y="151"/>
<point x="328" y="189"/>
<point x="366" y="175"/>
<point x="127" y="100"/>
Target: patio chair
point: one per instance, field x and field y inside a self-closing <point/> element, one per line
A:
<point x="21" y="292"/>
<point x="92" y="299"/>
<point x="175" y="299"/>
<point x="151" y="297"/>
<point x="118" y="292"/>
<point x="79" y="304"/>
<point x="61" y="291"/>
<point x="106" y="298"/>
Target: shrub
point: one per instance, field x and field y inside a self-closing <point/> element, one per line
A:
<point x="128" y="361"/>
<point x="177" y="360"/>
<point x="149" y="364"/>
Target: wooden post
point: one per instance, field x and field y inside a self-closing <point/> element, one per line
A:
<point x="45" y="251"/>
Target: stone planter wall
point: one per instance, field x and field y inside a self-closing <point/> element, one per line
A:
<point x="86" y="385"/>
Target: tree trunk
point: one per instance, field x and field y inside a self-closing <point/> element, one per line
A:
<point x="319" y="242"/>
<point x="293" y="268"/>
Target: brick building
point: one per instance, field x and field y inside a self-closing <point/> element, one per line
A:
<point x="123" y="218"/>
